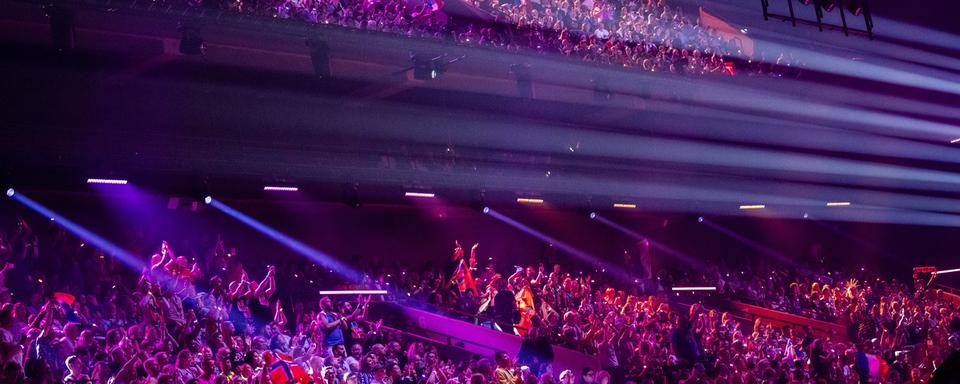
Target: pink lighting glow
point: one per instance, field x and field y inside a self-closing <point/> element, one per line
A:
<point x="693" y="289"/>
<point x="107" y="181"/>
<point x="354" y="292"/>
<point x="281" y="189"/>
<point x="420" y="194"/>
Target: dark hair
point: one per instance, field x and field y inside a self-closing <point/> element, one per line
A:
<point x="477" y="379"/>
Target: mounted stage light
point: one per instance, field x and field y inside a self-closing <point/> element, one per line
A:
<point x="11" y="192"/>
<point x="624" y="205"/>
<point x="753" y="206"/>
<point x="486" y="210"/>
<point x="208" y="200"/>
<point x="526" y="200"/>
<point x="700" y="219"/>
<point x="593" y="215"/>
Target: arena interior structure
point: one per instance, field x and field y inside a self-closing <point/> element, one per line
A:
<point x="479" y="191"/>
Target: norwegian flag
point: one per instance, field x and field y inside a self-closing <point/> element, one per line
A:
<point x="463" y="276"/>
<point x="281" y="369"/>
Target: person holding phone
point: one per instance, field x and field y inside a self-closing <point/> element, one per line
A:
<point x="505" y="373"/>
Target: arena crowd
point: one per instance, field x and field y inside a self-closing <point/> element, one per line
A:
<point x="646" y="35"/>
<point x="207" y="314"/>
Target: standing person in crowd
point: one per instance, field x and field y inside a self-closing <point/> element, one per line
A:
<point x="158" y="326"/>
<point x="505" y="373"/>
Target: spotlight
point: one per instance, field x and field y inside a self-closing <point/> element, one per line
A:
<point x="190" y="41"/>
<point x="954" y="141"/>
<point x="486" y="210"/>
<point x="208" y="200"/>
<point x="593" y="215"/>
<point x="11" y="192"/>
<point x="478" y="201"/>
<point x="806" y="215"/>
<point x="700" y="219"/>
<point x="827" y="5"/>
<point x="855" y="7"/>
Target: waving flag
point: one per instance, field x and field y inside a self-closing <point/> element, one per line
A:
<point x="64" y="298"/>
<point x="66" y="302"/>
<point x="464" y="278"/>
<point x="281" y="369"/>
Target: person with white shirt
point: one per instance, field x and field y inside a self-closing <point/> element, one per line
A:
<point x="602" y="32"/>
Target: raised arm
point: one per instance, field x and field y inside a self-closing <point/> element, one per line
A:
<point x="473" y="256"/>
<point x="164" y="254"/>
<point x="278" y="316"/>
<point x="266" y="287"/>
<point x="357" y="311"/>
<point x="241" y="288"/>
